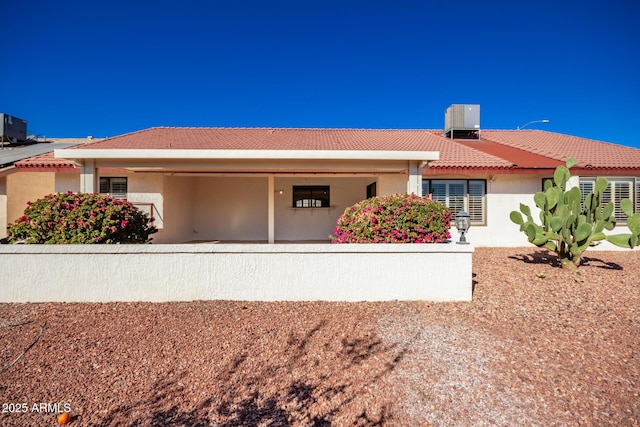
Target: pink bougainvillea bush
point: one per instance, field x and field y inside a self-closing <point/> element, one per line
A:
<point x="398" y="218"/>
<point x="81" y="218"/>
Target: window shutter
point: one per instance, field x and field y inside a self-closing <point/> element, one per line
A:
<point x="460" y="195"/>
<point x="119" y="188"/>
<point x="637" y="196"/>
<point x="439" y="192"/>
<point x="586" y="187"/>
<point x="477" y="201"/>
<point x="606" y="195"/>
<point x="622" y="190"/>
<point x="456" y="197"/>
<point x="104" y="185"/>
<point x="425" y="187"/>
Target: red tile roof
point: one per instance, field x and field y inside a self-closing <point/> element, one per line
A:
<point x="516" y="156"/>
<point x="588" y="152"/>
<point x="271" y="139"/>
<point x="451" y="154"/>
<point x="497" y="150"/>
<point x="45" y="163"/>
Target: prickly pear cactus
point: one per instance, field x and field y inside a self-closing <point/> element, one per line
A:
<point x="567" y="226"/>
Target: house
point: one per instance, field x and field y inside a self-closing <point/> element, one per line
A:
<point x="16" y="189"/>
<point x="280" y="185"/>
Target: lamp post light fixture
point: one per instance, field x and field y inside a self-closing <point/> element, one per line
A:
<point x="532" y="122"/>
<point x="463" y="222"/>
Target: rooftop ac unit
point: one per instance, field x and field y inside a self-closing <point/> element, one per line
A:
<point x="462" y="120"/>
<point x="12" y="129"/>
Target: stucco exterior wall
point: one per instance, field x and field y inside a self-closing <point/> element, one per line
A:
<point x="230" y="208"/>
<point x="392" y="184"/>
<point x="145" y="189"/>
<point x="67" y="181"/>
<point x="315" y="223"/>
<point x="178" y="213"/>
<point x="504" y="194"/>
<point x="25" y="187"/>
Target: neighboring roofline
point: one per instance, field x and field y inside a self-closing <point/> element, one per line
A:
<point x="189" y="154"/>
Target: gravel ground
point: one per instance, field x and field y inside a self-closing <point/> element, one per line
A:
<point x="538" y="346"/>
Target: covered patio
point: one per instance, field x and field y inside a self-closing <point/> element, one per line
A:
<point x="250" y="195"/>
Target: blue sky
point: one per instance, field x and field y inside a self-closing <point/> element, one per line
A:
<point x="78" y="68"/>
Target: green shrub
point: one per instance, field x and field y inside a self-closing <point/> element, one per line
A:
<point x="81" y="218"/>
<point x="398" y="218"/>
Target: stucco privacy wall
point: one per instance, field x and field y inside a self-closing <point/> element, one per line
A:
<point x="249" y="272"/>
<point x="3" y="207"/>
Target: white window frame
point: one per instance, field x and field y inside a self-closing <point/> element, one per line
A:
<point x="468" y="199"/>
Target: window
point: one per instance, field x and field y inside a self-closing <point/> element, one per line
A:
<point x="372" y="190"/>
<point x="617" y="190"/>
<point x="115" y="187"/>
<point x="586" y="187"/>
<point x="458" y="195"/>
<point x="311" y="196"/>
<point x="637" y="198"/>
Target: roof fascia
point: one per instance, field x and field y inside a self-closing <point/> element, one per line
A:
<point x="48" y="168"/>
<point x="487" y="170"/>
<point x="531" y="171"/>
<point x="426" y="156"/>
<point x="605" y="171"/>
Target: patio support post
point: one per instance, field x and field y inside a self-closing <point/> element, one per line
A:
<point x="271" y="208"/>
<point x="414" y="181"/>
<point x="88" y="176"/>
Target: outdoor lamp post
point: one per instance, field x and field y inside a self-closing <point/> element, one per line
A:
<point x="463" y="222"/>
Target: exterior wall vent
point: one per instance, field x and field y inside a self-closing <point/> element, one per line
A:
<point x="12" y="129"/>
<point x="462" y="121"/>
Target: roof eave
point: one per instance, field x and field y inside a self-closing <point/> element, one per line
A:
<point x="47" y="168"/>
<point x="424" y="156"/>
<point x="7" y="170"/>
